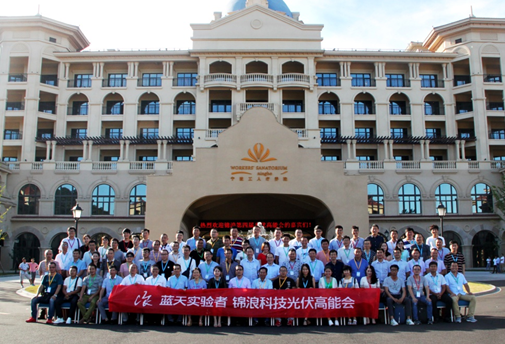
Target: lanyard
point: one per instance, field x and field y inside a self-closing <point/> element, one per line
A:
<point x="312" y="265"/>
<point x="164" y="266"/>
<point x="135" y="252"/>
<point x="318" y="243"/>
<point x="339" y="243"/>
<point x="286" y="250"/>
<point x="216" y="283"/>
<point x="347" y="252"/>
<point x="367" y="256"/>
<point x="304" y="254"/>
<point x="327" y="256"/>
<point x="91" y="281"/>
<point x="227" y="267"/>
<point x="186" y="264"/>
<point x="145" y="244"/>
<point x="207" y="267"/>
<point x="263" y="285"/>
<point x="420" y="249"/>
<point x="240" y="284"/>
<point x="145" y="267"/>
<point x="155" y="281"/>
<point x="306" y="283"/>
<point x="360" y="262"/>
<point x="328" y="285"/>
<point x="277" y="244"/>
<point x="455" y="258"/>
<point x="355" y="243"/>
<point x="281" y="284"/>
<point x="257" y="241"/>
<point x="418" y="284"/>
<point x="435" y="280"/>
<point x="346" y="285"/>
<point x="156" y="256"/>
<point x="71" y="244"/>
<point x="134" y="281"/>
<point x="456" y="279"/>
<point x="70" y="283"/>
<point x="112" y="282"/>
<point x="441" y="254"/>
<point x="292" y="266"/>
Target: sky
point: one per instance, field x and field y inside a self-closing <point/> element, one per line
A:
<point x="164" y="24"/>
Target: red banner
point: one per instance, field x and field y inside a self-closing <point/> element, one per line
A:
<point x="293" y="303"/>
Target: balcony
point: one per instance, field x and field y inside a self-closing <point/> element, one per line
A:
<point x="15" y="106"/>
<point x="220" y="80"/>
<point x="432" y="84"/>
<point x="67" y="166"/>
<point x="112" y="111"/>
<point x="302" y="133"/>
<point x="444" y="165"/>
<point x="397" y="83"/>
<point x="49" y="79"/>
<point x="213" y="133"/>
<point x="149" y="82"/>
<point x="114" y="82"/>
<point x="408" y="165"/>
<point x="497" y="134"/>
<point x="460" y="80"/>
<point x="371" y="165"/>
<point x="12" y="134"/>
<point x="495" y="106"/>
<point x="243" y="107"/>
<point x="464" y="107"/>
<point x="185" y="82"/>
<point x="494" y="78"/>
<point x="21" y="77"/>
<point x="77" y="111"/>
<point x="256" y="80"/>
<point x="142" y="165"/>
<point x="431" y="110"/>
<point x="398" y="110"/>
<point x="293" y="80"/>
<point x="104" y="166"/>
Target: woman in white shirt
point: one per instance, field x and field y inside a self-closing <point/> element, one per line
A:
<point x="104" y="248"/>
<point x="369" y="281"/>
<point x="328" y="282"/>
<point x="349" y="282"/>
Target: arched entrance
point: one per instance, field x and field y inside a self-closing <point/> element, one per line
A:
<point x="25" y="245"/>
<point x="453" y="236"/>
<point x="484" y="246"/>
<point x="55" y="242"/>
<point x="251" y="208"/>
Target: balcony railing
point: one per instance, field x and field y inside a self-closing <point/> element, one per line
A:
<point x="492" y="78"/>
<point x="68" y="166"/>
<point x="37" y="166"/>
<point x="371" y="165"/>
<point x="363" y="82"/>
<point x="302" y="133"/>
<point x="434" y="111"/>
<point x="104" y="166"/>
<point x="21" y="77"/>
<point x="214" y="133"/>
<point x="398" y="111"/>
<point x="497" y="135"/>
<point x="142" y="165"/>
<point x="473" y="165"/>
<point x="408" y="165"/>
<point x="13" y="165"/>
<point x="184" y="82"/>
<point x="497" y="165"/>
<point x="12" y="134"/>
<point x="114" y="82"/>
<point x="293" y="78"/>
<point x="152" y="82"/>
<point x="444" y="165"/>
<point x="464" y="107"/>
<point x="398" y="83"/>
<point x="495" y="106"/>
<point x="15" y="106"/>
<point x="460" y="80"/>
<point x="112" y="111"/>
<point x="86" y="83"/>
<point x="432" y="84"/>
<point x="258" y="78"/>
<point x="243" y="107"/>
<point x="220" y="78"/>
<point x="49" y="79"/>
<point x="77" y="111"/>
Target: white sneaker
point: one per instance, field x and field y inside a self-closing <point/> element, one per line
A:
<point x="330" y="323"/>
<point x="59" y="321"/>
<point x="336" y="323"/>
<point x="393" y="322"/>
<point x="69" y="321"/>
<point x="410" y="322"/>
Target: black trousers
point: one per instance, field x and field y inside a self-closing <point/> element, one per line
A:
<point x="60" y="300"/>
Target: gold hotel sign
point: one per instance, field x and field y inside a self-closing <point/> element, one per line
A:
<point x="259" y="172"/>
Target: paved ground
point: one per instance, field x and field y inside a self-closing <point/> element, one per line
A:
<point x="14" y="310"/>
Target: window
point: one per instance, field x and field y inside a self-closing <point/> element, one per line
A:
<point x="114" y="107"/>
<point x="45" y="133"/>
<point x="327" y="79"/>
<point x="292" y="106"/>
<point x="47" y="107"/>
<point x="51" y="80"/>
<point x="329" y="132"/>
<point x="446" y="194"/>
<point x="399" y="133"/>
<point x="151" y="79"/>
<point x="398" y="108"/>
<point x="466" y="133"/>
<point x="497" y="134"/>
<point x="482" y="199"/>
<point x="433" y="132"/>
<point x="460" y="80"/>
<point x="361" y="80"/>
<point x="401" y="158"/>
<point x="363" y="107"/>
<point x="492" y="78"/>
<point x="83" y="80"/>
<point x="436" y="158"/>
<point x="429" y="80"/>
<point x="28" y="200"/>
<point x="103" y="200"/>
<point x="12" y="134"/>
<point x="185" y="132"/>
<point x="14" y="106"/>
<point x="495" y="106"/>
<point x="375" y="199"/>
<point x="78" y="133"/>
<point x="364" y="132"/>
<point x="328" y="107"/>
<point x="365" y="158"/>
<point x="113" y="133"/>
<point x="409" y="199"/>
<point x="149" y="132"/>
<point x="110" y="158"/>
<point x="187" y="107"/>
<point x="17" y="78"/>
<point x="150" y="107"/>
<point x="464" y="107"/>
<point x="117" y="80"/>
<point x="458" y="40"/>
<point x="79" y="108"/>
<point x="184" y="158"/>
<point x="329" y="158"/>
<point x="395" y="80"/>
<point x="64" y="199"/>
<point x="220" y="106"/>
<point x="148" y="158"/>
<point x="186" y="79"/>
<point x="138" y="200"/>
<point x="432" y="108"/>
<point x="9" y="159"/>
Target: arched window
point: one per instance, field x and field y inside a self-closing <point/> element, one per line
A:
<point x="64" y="199"/>
<point x="103" y="200"/>
<point x="28" y="200"/>
<point x="26" y="245"/>
<point x="446" y="194"/>
<point x="482" y="199"/>
<point x="55" y="242"/>
<point x="375" y="199"/>
<point x="409" y="199"/>
<point x="138" y="200"/>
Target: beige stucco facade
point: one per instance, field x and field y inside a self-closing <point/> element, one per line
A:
<point x="357" y="130"/>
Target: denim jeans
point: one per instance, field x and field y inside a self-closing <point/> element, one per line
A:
<point x="428" y="304"/>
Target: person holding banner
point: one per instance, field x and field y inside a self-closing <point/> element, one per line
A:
<point x="262" y="283"/>
<point x="132" y="279"/>
<point x="177" y="281"/>
<point x="281" y="283"/>
<point x="349" y="282"/>
<point x="218" y="282"/>
<point x="239" y="281"/>
<point x="305" y="281"/>
<point x="197" y="282"/>
<point x="370" y="280"/>
<point x="328" y="282"/>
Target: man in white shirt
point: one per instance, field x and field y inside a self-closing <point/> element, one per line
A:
<point x="346" y="254"/>
<point x="403" y="267"/>
<point x="87" y="257"/>
<point x="315" y="243"/>
<point x="107" y="286"/>
<point x="256" y="241"/>
<point x="63" y="258"/>
<point x="434" y="258"/>
<point x="276" y="241"/>
<point x="250" y="265"/>
<point x="136" y="250"/>
<point x="273" y="269"/>
<point x="337" y="242"/>
<point x="207" y="267"/>
<point x="316" y="266"/>
<point x="432" y="241"/>
<point x="394" y="240"/>
<point x="296" y="243"/>
<point x="438" y="289"/>
<point x="175" y="254"/>
<point x="72" y="241"/>
<point x="455" y="283"/>
<point x="303" y="252"/>
<point x="356" y="241"/>
<point x="381" y="266"/>
<point x="156" y="279"/>
<point x="187" y="263"/>
<point x="24" y="271"/>
<point x="282" y="253"/>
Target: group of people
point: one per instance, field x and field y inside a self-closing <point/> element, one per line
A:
<point x="497" y="263"/>
<point x="412" y="274"/>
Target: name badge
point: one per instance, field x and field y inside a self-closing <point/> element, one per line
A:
<point x="89" y="292"/>
<point x="418" y="294"/>
<point x="227" y="277"/>
<point x="358" y="274"/>
<point x="257" y="250"/>
<point x="48" y="289"/>
<point x="145" y="274"/>
<point x="206" y="277"/>
<point x="292" y="273"/>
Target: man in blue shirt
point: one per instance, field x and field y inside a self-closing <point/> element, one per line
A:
<point x="358" y="265"/>
<point x="194" y="239"/>
<point x="177" y="281"/>
<point x="103" y="300"/>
